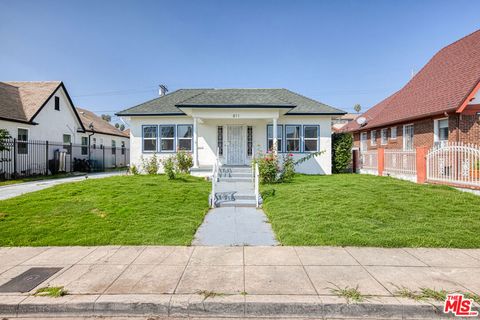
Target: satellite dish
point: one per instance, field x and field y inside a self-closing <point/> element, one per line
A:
<point x="361" y="120"/>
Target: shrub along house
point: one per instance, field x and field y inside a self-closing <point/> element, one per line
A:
<point x="233" y="124"/>
<point x="440" y="104"/>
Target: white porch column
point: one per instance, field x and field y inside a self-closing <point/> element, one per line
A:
<point x="195" y="142"/>
<point x="274" y="133"/>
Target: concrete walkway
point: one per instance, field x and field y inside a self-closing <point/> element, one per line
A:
<point x="237" y="281"/>
<point x="15" y="190"/>
<point x="235" y="226"/>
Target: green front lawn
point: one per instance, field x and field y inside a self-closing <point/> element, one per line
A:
<point x="364" y="210"/>
<point x="109" y="211"/>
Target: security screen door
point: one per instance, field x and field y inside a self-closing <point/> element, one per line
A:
<point x="235" y="145"/>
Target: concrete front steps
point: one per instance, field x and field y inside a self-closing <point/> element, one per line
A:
<point x="236" y="182"/>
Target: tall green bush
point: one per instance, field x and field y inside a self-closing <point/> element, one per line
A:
<point x="341" y="152"/>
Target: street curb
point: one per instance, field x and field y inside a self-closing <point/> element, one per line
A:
<point x="194" y="305"/>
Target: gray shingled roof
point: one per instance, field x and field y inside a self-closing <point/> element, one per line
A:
<point x="172" y="103"/>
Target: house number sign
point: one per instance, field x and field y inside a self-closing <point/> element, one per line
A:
<point x="236" y="115"/>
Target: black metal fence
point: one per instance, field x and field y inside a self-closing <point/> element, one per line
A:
<point x="34" y="158"/>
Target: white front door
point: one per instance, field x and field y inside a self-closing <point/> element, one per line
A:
<point x="235" y="145"/>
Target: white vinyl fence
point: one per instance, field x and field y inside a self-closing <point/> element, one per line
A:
<point x="454" y="163"/>
<point x="369" y="162"/>
<point x="401" y="164"/>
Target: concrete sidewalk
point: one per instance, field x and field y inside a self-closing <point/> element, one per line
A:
<point x="237" y="281"/>
<point x="15" y="190"/>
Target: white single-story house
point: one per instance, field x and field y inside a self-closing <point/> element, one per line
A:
<point x="233" y="124"/>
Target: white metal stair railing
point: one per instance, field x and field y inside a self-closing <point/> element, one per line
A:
<point x="214" y="177"/>
<point x="256" y="179"/>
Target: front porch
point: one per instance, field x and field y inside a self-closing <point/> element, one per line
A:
<point x="233" y="139"/>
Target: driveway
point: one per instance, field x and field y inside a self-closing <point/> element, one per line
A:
<point x="15" y="190"/>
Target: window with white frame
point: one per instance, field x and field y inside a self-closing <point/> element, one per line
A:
<point x="67" y="143"/>
<point x="393" y="133"/>
<point x="373" y="138"/>
<point x="441" y="130"/>
<point x="249" y="141"/>
<point x="84" y="150"/>
<point x="167" y="138"/>
<point x="220" y="140"/>
<point x="408" y="135"/>
<point x="22" y="135"/>
<point x="279" y="137"/>
<point x="94" y="143"/>
<point x="123" y="147"/>
<point x="114" y="147"/>
<point x="310" y="138"/>
<point x="292" y="138"/>
<point x="363" y="141"/>
<point x="384" y="136"/>
<point x="150" y="138"/>
<point x="184" y="137"/>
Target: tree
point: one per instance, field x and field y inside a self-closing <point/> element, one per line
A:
<point x="4" y="135"/>
<point x="107" y="117"/>
<point x="122" y="127"/>
<point x="357" y="108"/>
<point x="117" y="125"/>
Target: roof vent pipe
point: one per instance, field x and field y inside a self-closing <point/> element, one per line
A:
<point x="162" y="90"/>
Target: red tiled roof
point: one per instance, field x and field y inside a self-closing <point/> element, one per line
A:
<point x="442" y="85"/>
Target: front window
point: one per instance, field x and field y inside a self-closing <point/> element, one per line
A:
<point x="114" y="147"/>
<point x="220" y="140"/>
<point x="279" y="137"/>
<point x="393" y="133"/>
<point x="363" y="141"/>
<point x="94" y="143"/>
<point x="310" y="138"/>
<point x="384" y="136"/>
<point x="249" y="141"/>
<point x="84" y="146"/>
<point x="150" y="138"/>
<point x="22" y="136"/>
<point x="123" y="147"/>
<point x="408" y="135"/>
<point x="292" y="134"/>
<point x="167" y="138"/>
<point x="67" y="143"/>
<point x="373" y="138"/>
<point x="441" y="130"/>
<point x="184" y="136"/>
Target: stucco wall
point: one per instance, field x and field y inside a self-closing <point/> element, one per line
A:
<point x="207" y="138"/>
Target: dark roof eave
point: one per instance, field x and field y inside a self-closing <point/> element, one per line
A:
<point x="315" y="113"/>
<point x="108" y="133"/>
<point x="264" y="106"/>
<point x="149" y="114"/>
<point x="18" y="121"/>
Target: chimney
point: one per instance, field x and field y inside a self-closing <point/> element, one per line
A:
<point x="162" y="90"/>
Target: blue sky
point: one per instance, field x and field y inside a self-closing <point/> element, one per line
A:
<point x="113" y="54"/>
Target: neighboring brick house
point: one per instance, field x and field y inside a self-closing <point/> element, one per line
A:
<point x="440" y="103"/>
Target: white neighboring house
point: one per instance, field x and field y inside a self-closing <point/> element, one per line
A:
<point x="38" y="111"/>
<point x="99" y="133"/>
<point x="235" y="123"/>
